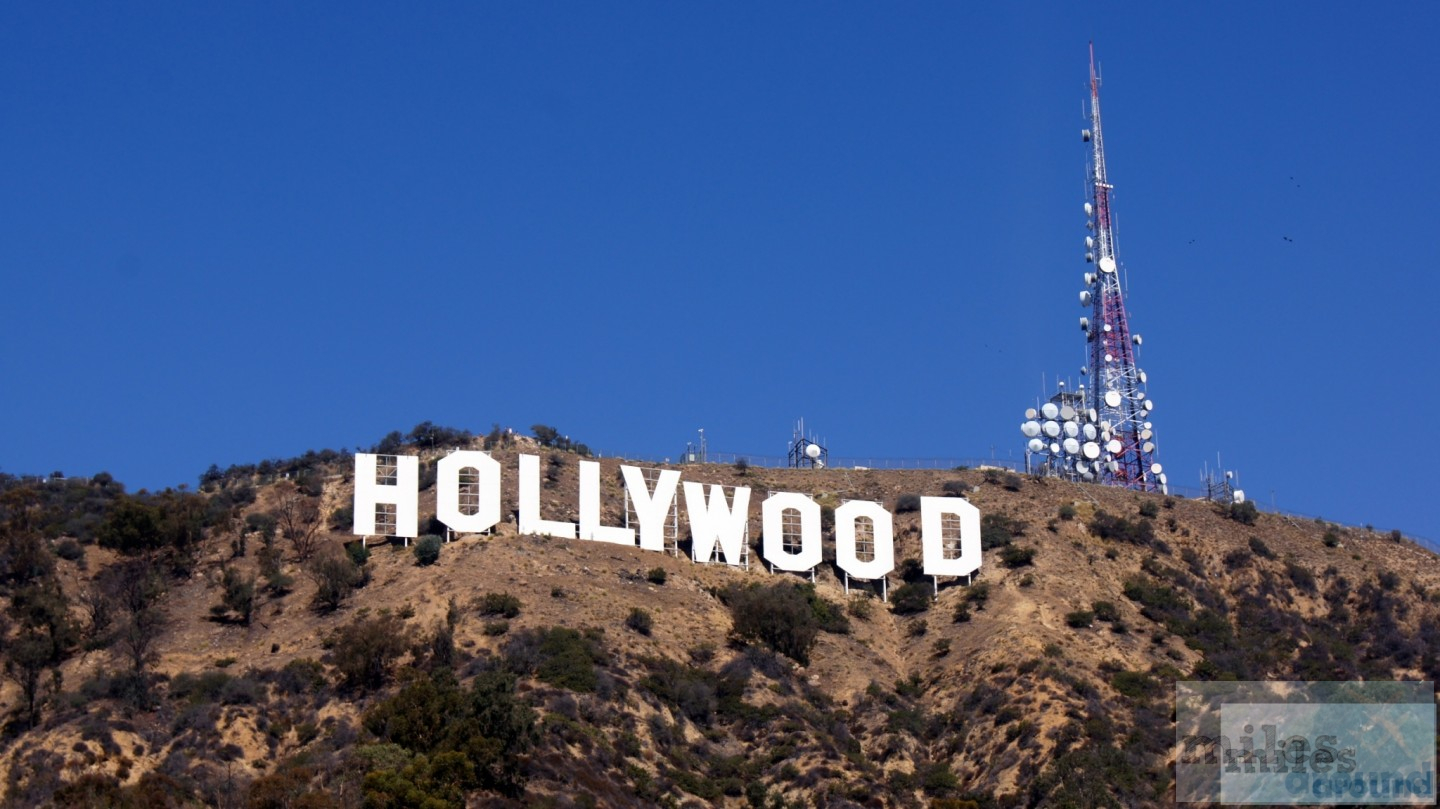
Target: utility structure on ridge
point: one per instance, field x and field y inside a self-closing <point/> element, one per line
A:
<point x="1101" y="432"/>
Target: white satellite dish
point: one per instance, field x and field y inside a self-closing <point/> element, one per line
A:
<point x="1031" y="413"/>
<point x="1072" y="447"/>
<point x="1094" y="416"/>
<point x="1113" y="466"/>
<point x="1089" y="209"/>
<point x="1112" y="397"/>
<point x="1089" y="431"/>
<point x="1161" y="478"/>
<point x="1149" y="405"/>
<point x="1071" y="429"/>
<point x="1030" y="428"/>
<point x="1084" y="297"/>
<point x="1107" y="327"/>
<point x="1054" y="448"/>
<point x="1050" y="410"/>
<point x="1148" y="446"/>
<point x="1087" y="477"/>
<point x="1036" y="445"/>
<point x="1091" y="450"/>
<point x="1084" y="371"/>
<point x="1239" y="496"/>
<point x="1067" y="412"/>
<point x="1107" y="264"/>
<point x="1156" y="468"/>
<point x="1089" y="278"/>
<point x="1051" y="428"/>
<point x="1089" y="258"/>
<point x="1113" y="446"/>
<point x="812" y="451"/>
<point x="1142" y="377"/>
<point x="1082" y="467"/>
<point x="1229" y="475"/>
<point x="1147" y="425"/>
<point x="1109" y="358"/>
<point x="819" y="464"/>
<point x="1137" y="339"/>
<point x="1084" y="324"/>
<point x="1089" y="243"/>
<point x="1145" y="435"/>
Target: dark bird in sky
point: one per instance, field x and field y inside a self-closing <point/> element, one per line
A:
<point x="1288" y="239"/>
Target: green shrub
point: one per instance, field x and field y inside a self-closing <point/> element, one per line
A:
<point x="656" y="575"/>
<point x="777" y="615"/>
<point x="69" y="550"/>
<point x="639" y="620"/>
<point x="495" y="628"/>
<point x="1016" y="556"/>
<point x="962" y="613"/>
<point x="335" y="578"/>
<point x="978" y="594"/>
<point x="364" y="650"/>
<point x="358" y="552"/>
<point x="502" y="604"/>
<point x="1244" y="513"/>
<point x="427" y="550"/>
<point x="955" y="488"/>
<point x="1108" y="526"/>
<point x="1105" y="611"/>
<point x="1079" y="619"/>
<point x="998" y="530"/>
<point x="861" y="606"/>
<point x="568" y="659"/>
<point x="907" y="503"/>
<point x="1067" y="512"/>
<point x="1012" y="482"/>
<point x="1149" y="509"/>
<point x="1258" y="546"/>
<point x="908" y="599"/>
<point x="1331" y="539"/>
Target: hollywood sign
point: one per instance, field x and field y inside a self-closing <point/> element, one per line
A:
<point x="717" y="526"/>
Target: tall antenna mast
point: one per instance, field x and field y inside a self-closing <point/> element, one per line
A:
<point x="1116" y="394"/>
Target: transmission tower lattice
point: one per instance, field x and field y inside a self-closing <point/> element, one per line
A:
<point x="1117" y="386"/>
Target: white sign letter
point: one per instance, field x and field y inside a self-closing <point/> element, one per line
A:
<point x="884" y="533"/>
<point x="447" y="491"/>
<point x="651" y="509"/>
<point x="590" y="527"/>
<point x="772" y="512"/>
<point x="403" y="494"/>
<point x="715" y="523"/>
<point x="530" y="522"/>
<point x="932" y="539"/>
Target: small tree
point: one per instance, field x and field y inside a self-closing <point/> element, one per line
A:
<point x="656" y="575"/>
<point x="364" y="650"/>
<point x="299" y="519"/>
<point x="911" y="598"/>
<point x="1244" y="513"/>
<point x="639" y="620"/>
<point x="907" y="503"/>
<point x="335" y="577"/>
<point x="778" y="616"/>
<point x="427" y="550"/>
<point x="237" y="597"/>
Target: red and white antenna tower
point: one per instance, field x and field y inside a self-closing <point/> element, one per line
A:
<point x="1116" y="396"/>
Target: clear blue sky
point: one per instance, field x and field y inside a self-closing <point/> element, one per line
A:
<point x="238" y="231"/>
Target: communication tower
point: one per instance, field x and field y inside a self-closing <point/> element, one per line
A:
<point x="1116" y="409"/>
<point x="805" y="450"/>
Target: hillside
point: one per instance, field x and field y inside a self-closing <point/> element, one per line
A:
<point x="521" y="671"/>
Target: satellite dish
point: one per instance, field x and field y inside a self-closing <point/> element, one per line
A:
<point x="1109" y="358"/>
<point x="812" y="451"/>
<point x="1107" y="327"/>
<point x="1137" y="339"/>
<point x="1031" y="413"/>
<point x="1067" y="412"/>
<point x="1149" y="405"/>
<point x="1112" y="397"/>
<point x="1142" y="377"/>
<point x="1030" y="428"/>
<point x="1093" y="415"/>
<point x="1084" y="324"/>
<point x="1072" y="447"/>
<point x="1050" y="410"/>
<point x="1089" y="243"/>
<point x="1156" y="468"/>
<point x="1162" y="480"/>
<point x="1113" y="446"/>
<point x="1107" y="264"/>
<point x="819" y="464"/>
<point x="1145" y="435"/>
<point x="1084" y="297"/>
<point x="1082" y="467"/>
<point x="1148" y="446"/>
<point x="1239" y="496"/>
<point x="1054" y="448"/>
<point x="1089" y="431"/>
<point x="1085" y="136"/>
<point x="1091" y="450"/>
<point x="1089" y="258"/>
<point x="1087" y="477"/>
<point x="1036" y="445"/>
<point x="1084" y="371"/>
<point x="1113" y="466"/>
<point x="1089" y="278"/>
<point x="1147" y="425"/>
<point x="1051" y="428"/>
<point x="1089" y="209"/>
<point x="1071" y="429"/>
<point x="1229" y="475"/>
